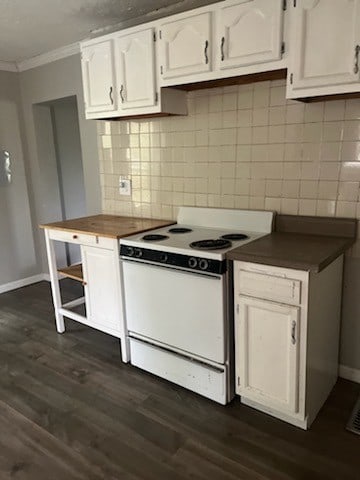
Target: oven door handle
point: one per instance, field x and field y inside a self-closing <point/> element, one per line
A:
<point x="180" y="270"/>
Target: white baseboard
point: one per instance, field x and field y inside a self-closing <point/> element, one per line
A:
<point x="349" y="373"/>
<point x="7" y="287"/>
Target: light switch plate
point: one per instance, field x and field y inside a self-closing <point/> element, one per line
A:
<point x="124" y="186"/>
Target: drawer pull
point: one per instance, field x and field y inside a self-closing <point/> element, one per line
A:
<point x="222" y="49"/>
<point x="356" y="66"/>
<point x="206" y="52"/>
<point x="293" y="332"/>
<point x="75" y="237"/>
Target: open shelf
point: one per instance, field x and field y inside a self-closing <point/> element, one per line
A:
<point x="74" y="271"/>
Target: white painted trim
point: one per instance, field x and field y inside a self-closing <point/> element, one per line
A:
<point x="349" y="373"/>
<point x="8" y="66"/>
<point x="7" y="287"/>
<point x="49" y="57"/>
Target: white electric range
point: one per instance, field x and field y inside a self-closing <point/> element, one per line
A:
<point x="177" y="292"/>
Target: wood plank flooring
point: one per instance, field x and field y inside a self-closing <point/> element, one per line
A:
<point x="69" y="409"/>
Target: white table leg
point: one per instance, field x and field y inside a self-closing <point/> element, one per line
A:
<point x="55" y="287"/>
<point x="125" y="349"/>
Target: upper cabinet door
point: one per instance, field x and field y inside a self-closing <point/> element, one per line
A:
<point x="135" y="69"/>
<point x="326" y="48"/>
<point x="185" y="46"/>
<point x="98" y="77"/>
<point x="251" y="31"/>
<point x="267" y="351"/>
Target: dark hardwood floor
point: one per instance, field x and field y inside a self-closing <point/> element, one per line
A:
<point x="69" y="409"/>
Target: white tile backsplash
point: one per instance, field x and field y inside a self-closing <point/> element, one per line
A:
<point x="239" y="147"/>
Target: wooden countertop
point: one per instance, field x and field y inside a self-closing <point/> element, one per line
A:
<point x="293" y="250"/>
<point x="302" y="243"/>
<point x="111" y="226"/>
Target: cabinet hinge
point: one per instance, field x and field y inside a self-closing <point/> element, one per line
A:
<point x="161" y="69"/>
<point x="156" y="97"/>
<point x="154" y="36"/>
<point x="160" y="34"/>
<point x="291" y="78"/>
<point x="237" y="308"/>
<point x="238" y="381"/>
<point x="282" y="48"/>
<point x="284" y="4"/>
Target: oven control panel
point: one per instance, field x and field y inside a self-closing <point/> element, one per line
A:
<point x="189" y="262"/>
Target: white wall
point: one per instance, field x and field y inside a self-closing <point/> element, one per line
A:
<point x="69" y="157"/>
<point x="17" y="253"/>
<point x="47" y="83"/>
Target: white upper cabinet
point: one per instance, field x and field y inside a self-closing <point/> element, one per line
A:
<point x="185" y="45"/>
<point x="251" y="32"/>
<point x="326" y="46"/>
<point x="267" y="352"/>
<point x="98" y="77"/>
<point x="135" y="69"/>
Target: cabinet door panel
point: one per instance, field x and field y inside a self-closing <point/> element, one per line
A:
<point x="185" y="46"/>
<point x="135" y="67"/>
<point x="98" y="77"/>
<point x="251" y="32"/>
<point x="101" y="289"/>
<point x="267" y="349"/>
<point x="327" y="35"/>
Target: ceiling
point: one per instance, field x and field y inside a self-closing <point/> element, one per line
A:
<point x="32" y="27"/>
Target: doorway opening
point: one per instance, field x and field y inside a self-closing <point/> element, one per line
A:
<point x="61" y="167"/>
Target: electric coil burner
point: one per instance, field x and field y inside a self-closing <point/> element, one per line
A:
<point x="211" y="244"/>
<point x="180" y="230"/>
<point x="154" y="238"/>
<point x="234" y="236"/>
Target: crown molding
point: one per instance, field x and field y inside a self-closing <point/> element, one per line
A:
<point x="48" y="57"/>
<point x="8" y="66"/>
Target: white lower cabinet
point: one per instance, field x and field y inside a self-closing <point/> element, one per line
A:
<point x="286" y="351"/>
<point x="267" y="353"/>
<point x="101" y="276"/>
<point x="101" y="285"/>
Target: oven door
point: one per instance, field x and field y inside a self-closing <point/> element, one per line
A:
<point x="180" y="309"/>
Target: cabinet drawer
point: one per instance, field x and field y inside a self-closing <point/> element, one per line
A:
<point x="271" y="287"/>
<point x="198" y="377"/>
<point x="82" y="239"/>
<point x="73" y="237"/>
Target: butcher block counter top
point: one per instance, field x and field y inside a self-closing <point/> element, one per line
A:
<point x="301" y="243"/>
<point x="111" y="226"/>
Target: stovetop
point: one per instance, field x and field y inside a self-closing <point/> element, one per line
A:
<point x="189" y="242"/>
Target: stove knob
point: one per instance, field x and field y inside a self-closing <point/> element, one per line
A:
<point x="130" y="251"/>
<point x="163" y="257"/>
<point x="138" y="253"/>
<point x="203" y="264"/>
<point x="192" y="262"/>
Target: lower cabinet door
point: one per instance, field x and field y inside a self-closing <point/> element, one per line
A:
<point x="267" y="350"/>
<point x="102" y="295"/>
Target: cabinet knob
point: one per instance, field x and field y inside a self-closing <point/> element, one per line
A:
<point x="75" y="237"/>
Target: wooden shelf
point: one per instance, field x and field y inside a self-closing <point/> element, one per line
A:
<point x="74" y="271"/>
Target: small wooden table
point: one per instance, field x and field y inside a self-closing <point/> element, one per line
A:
<point x="99" y="271"/>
